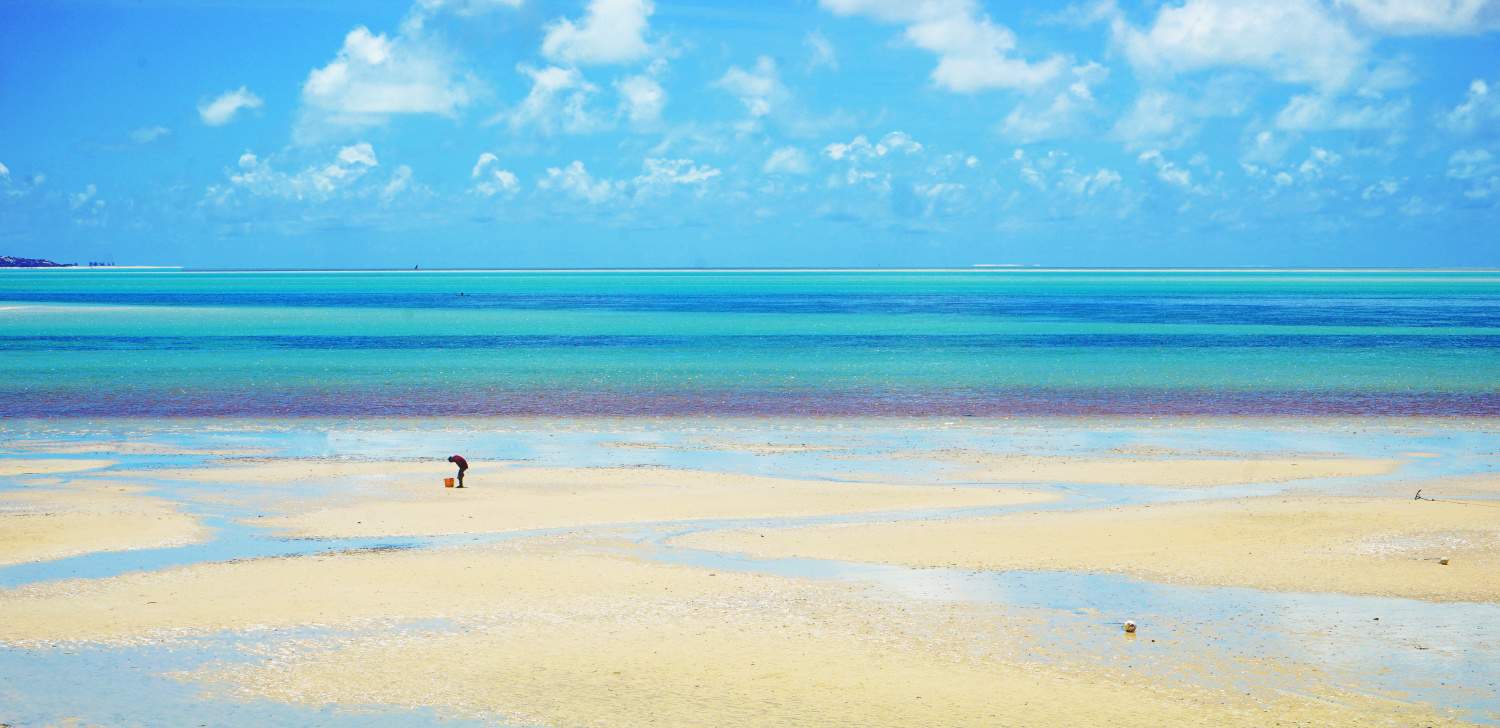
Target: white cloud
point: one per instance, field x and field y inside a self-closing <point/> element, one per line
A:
<point x="398" y="183"/>
<point x="1089" y="185"/>
<point x="147" y="134"/>
<point x="226" y="106"/>
<point x="4" y="171"/>
<point x="1318" y="162"/>
<point x="358" y="154"/>
<point x="1479" y="110"/>
<point x="860" y="147"/>
<point x="1316" y="112"/>
<point x="1467" y="164"/>
<point x="1166" y="171"/>
<point x="1159" y="118"/>
<point x="575" y="181"/>
<point x="675" y="172"/>
<point x="820" y="52"/>
<point x="1381" y="189"/>
<point x="374" y="77"/>
<point x="611" y="31"/>
<point x="641" y="99"/>
<point x="759" y="89"/>
<point x="787" y="160"/>
<point x="80" y="199"/>
<point x="496" y="181"/>
<point x="1154" y="116"/>
<point x="1295" y="41"/>
<point x="558" y="100"/>
<point x="1283" y="179"/>
<point x="1427" y="17"/>
<point x="318" y="182"/>
<point x="1028" y="122"/>
<point x="974" y="53"/>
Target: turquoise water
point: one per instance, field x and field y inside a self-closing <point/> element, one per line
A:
<point x="993" y="342"/>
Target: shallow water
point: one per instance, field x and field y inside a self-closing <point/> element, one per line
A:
<point x="175" y="343"/>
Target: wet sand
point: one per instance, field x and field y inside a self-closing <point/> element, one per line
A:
<point x="1385" y="546"/>
<point x="54" y="522"/>
<point x="45" y="466"/>
<point x="676" y="646"/>
<point x="526" y="498"/>
<point x="1167" y="472"/>
<point x="635" y="609"/>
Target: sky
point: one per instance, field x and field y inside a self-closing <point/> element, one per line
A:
<point x="643" y="133"/>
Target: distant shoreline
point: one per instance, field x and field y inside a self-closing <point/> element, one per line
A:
<point x="976" y="269"/>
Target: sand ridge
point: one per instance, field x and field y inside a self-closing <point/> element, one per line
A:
<point x="44" y="466"/>
<point x="41" y="524"/>
<point x="1176" y="472"/>
<point x="617" y="642"/>
<point x="1371" y="546"/>
<point x="526" y="498"/>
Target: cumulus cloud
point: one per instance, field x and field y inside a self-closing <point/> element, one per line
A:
<point x="558" y="101"/>
<point x="1295" y="41"/>
<point x="1427" y="17"/>
<point x="373" y="77"/>
<point x="611" y="31"/>
<point x="258" y="177"/>
<point x="860" y="147"/>
<point x="1470" y="163"/>
<point x="641" y="99"/>
<point x="974" y="52"/>
<point x="1479" y="110"/>
<point x="4" y="171"/>
<point x="148" y="134"/>
<point x="675" y="172"/>
<point x="78" y="200"/>
<point x="759" y="88"/>
<point x="222" y="109"/>
<point x="1316" y="112"/>
<point x="1159" y="118"/>
<point x="1030" y="122"/>
<point x="575" y="181"/>
<point x="787" y="160"/>
<point x="1166" y="170"/>
<point x="400" y="180"/>
<point x="1318" y="162"/>
<point x="820" y="52"/>
<point x="490" y="179"/>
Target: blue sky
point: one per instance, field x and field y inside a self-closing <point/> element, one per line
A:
<point x="815" y="132"/>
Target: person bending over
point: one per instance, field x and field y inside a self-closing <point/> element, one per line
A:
<point x="462" y="466"/>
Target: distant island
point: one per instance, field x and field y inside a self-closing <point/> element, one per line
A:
<point x="7" y="261"/>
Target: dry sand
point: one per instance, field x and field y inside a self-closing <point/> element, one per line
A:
<point x="302" y="470"/>
<point x="43" y="466"/>
<point x="559" y="633"/>
<point x="1369" y="546"/>
<point x="1168" y="472"/>
<point x="40" y="524"/>
<point x="533" y="498"/>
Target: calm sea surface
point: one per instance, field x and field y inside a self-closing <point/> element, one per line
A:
<point x="995" y="342"/>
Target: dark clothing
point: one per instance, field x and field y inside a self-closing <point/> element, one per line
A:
<point x="462" y="466"/>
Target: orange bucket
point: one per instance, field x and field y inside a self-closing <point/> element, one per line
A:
<point x="447" y="482"/>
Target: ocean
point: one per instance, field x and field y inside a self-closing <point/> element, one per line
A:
<point x="984" y="342"/>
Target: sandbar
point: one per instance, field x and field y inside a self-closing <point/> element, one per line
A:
<point x="1369" y="546"/>
<point x="43" y="466"/>
<point x="1165" y="472"/>
<point x="294" y="470"/>
<point x="559" y="632"/>
<point x="41" y="524"/>
<point x="536" y="497"/>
